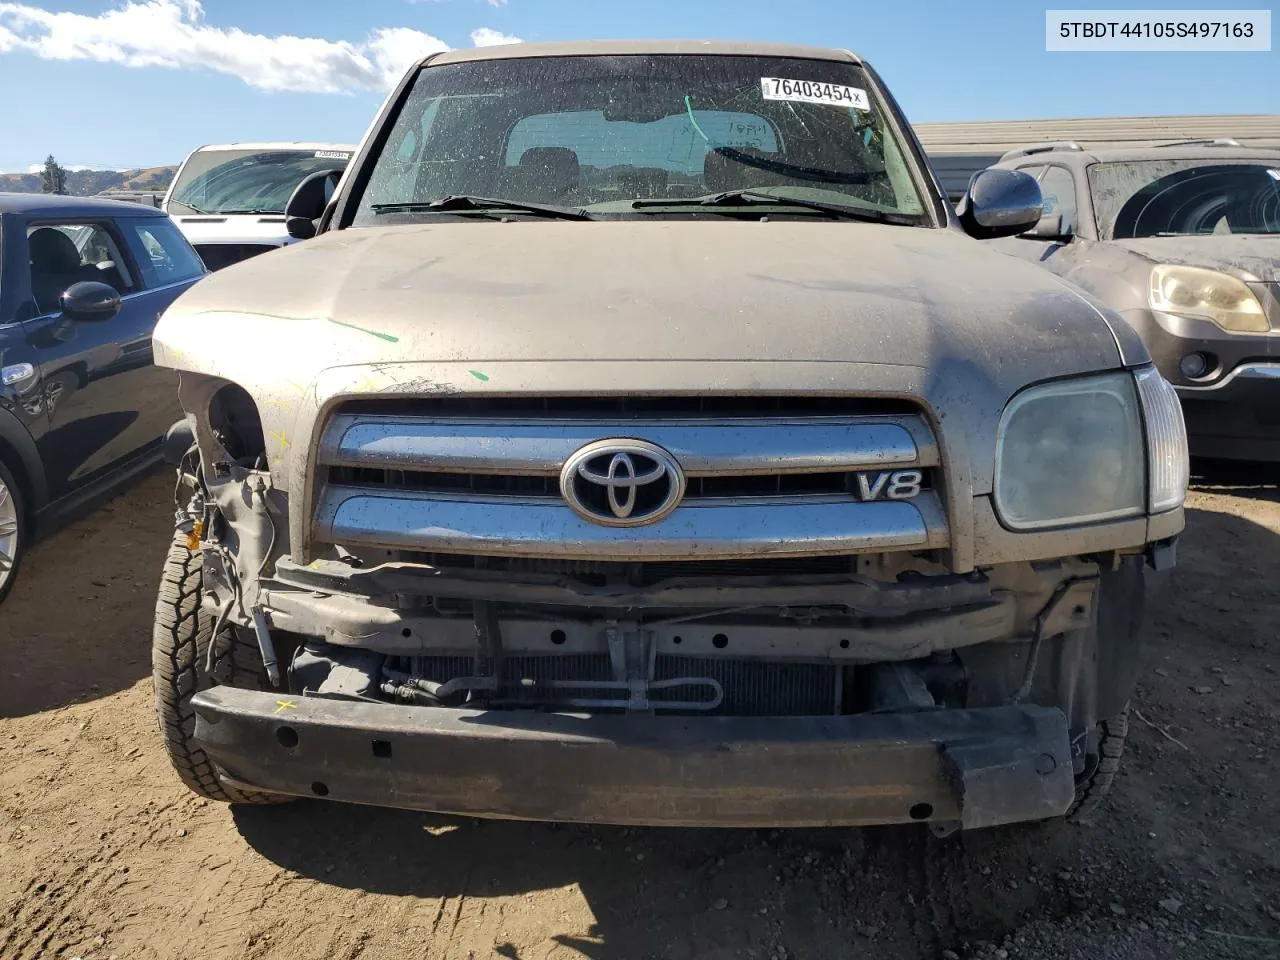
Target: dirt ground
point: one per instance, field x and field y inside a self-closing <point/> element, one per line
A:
<point x="103" y="854"/>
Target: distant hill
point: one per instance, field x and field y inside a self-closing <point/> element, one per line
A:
<point x="87" y="183"/>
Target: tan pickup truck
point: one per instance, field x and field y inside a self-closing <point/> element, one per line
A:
<point x="643" y="438"/>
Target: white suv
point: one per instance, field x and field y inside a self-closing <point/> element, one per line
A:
<point x="229" y="199"/>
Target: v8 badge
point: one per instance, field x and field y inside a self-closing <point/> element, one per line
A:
<point x="897" y="485"/>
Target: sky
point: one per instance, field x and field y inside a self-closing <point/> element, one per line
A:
<point x="117" y="84"/>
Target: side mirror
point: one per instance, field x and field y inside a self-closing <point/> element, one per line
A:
<point x="1000" y="203"/>
<point x="307" y="203"/>
<point x="89" y="300"/>
<point x="300" y="228"/>
<point x="1048" y="228"/>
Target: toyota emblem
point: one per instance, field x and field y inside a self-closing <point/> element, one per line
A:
<point x="622" y="483"/>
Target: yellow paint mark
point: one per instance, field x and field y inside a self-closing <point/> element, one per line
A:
<point x="301" y="390"/>
<point x="279" y="437"/>
<point x="282" y="705"/>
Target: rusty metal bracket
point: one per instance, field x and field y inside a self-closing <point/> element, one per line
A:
<point x="1048" y="621"/>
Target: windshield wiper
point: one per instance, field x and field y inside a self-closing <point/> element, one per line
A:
<point x="740" y="198"/>
<point x="265" y="213"/>
<point x="461" y="203"/>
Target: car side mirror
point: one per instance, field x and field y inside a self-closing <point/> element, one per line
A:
<point x="90" y="300"/>
<point x="1000" y="203"/>
<point x="300" y="228"/>
<point x="306" y="205"/>
<point x="1048" y="228"/>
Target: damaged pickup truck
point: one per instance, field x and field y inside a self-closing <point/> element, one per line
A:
<point x="644" y="439"/>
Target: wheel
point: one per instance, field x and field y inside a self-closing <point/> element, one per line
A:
<point x="179" y="651"/>
<point x="13" y="529"/>
<point x="1092" y="788"/>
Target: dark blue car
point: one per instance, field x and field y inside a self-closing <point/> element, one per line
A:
<point x="82" y="408"/>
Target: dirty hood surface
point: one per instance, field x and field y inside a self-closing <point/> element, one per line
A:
<point x="480" y="292"/>
<point x="1249" y="256"/>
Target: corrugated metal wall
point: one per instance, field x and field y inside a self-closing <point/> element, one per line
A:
<point x="958" y="149"/>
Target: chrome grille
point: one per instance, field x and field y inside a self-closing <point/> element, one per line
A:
<point x="766" y="477"/>
<point x="548" y="485"/>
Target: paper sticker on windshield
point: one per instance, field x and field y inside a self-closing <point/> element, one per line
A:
<point x="1274" y="173"/>
<point x="332" y="155"/>
<point x="810" y="91"/>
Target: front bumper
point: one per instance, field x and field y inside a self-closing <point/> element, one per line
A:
<point x="975" y="768"/>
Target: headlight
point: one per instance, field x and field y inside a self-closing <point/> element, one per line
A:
<point x="1071" y="452"/>
<point x="1193" y="292"/>
<point x="1168" y="466"/>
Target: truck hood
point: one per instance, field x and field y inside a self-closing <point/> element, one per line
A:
<point x="484" y="292"/>
<point x="1251" y="257"/>
<point x="636" y="307"/>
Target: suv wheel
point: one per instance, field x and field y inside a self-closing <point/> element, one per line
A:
<point x="13" y="529"/>
<point x="179" y="652"/>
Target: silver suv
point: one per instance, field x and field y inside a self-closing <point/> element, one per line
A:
<point x="642" y="440"/>
<point x="1183" y="241"/>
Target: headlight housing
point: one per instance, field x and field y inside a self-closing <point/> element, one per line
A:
<point x="1071" y="452"/>
<point x="1207" y="294"/>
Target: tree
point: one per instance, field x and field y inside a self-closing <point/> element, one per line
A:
<point x="54" y="177"/>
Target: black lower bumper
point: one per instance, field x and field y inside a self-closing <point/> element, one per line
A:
<point x="1234" y="427"/>
<point x="1237" y="420"/>
<point x="979" y="768"/>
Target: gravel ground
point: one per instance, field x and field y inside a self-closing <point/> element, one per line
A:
<point x="103" y="854"/>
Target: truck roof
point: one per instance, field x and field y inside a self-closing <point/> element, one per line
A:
<point x="1073" y="155"/>
<point x="277" y="145"/>
<point x="597" y="48"/>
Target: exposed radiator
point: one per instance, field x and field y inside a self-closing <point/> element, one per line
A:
<point x="751" y="688"/>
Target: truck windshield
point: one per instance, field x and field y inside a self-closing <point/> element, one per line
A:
<point x="1176" y="198"/>
<point x="247" y="181"/>
<point x="602" y="132"/>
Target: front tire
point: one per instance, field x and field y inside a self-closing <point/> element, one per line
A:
<point x="179" y="651"/>
<point x="1092" y="789"/>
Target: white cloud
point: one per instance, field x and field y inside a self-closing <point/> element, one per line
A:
<point x="497" y="3"/>
<point x="484" y="37"/>
<point x="172" y="33"/>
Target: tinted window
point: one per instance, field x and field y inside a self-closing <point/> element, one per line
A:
<point x="670" y="144"/>
<point x="1154" y="198"/>
<point x="1058" y="188"/>
<point x="601" y="132"/>
<point x="63" y="254"/>
<point x="169" y="257"/>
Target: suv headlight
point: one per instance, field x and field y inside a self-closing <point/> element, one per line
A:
<point x="1208" y="294"/>
<point x="1075" y="451"/>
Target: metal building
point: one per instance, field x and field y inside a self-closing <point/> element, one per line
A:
<point x="957" y="150"/>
